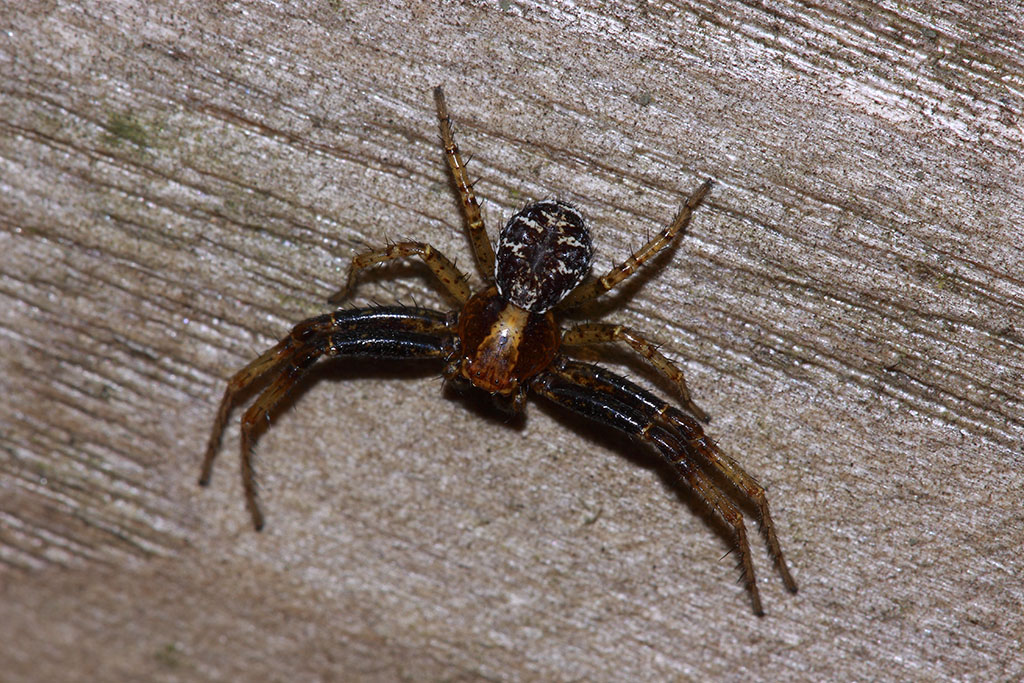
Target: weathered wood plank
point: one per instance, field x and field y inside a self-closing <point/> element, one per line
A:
<point x="180" y="183"/>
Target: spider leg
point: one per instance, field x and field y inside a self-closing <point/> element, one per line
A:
<point x="613" y="401"/>
<point x="738" y="477"/>
<point x="597" y="287"/>
<point x="253" y="375"/>
<point x="482" y="249"/>
<point x="697" y="443"/>
<point x="597" y="333"/>
<point x="387" y="332"/>
<point x="451" y="277"/>
<point x="259" y="411"/>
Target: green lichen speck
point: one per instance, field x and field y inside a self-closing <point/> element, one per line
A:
<point x="169" y="656"/>
<point x="123" y="127"/>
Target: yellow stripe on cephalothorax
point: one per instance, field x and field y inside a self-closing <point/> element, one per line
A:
<point x="492" y="367"/>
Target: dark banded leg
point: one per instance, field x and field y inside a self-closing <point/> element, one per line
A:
<point x="596" y="333"/>
<point x="445" y="271"/>
<point x="595" y="288"/>
<point x="392" y="332"/>
<point x="613" y="401"/>
<point x="482" y="249"/>
<point x="697" y="443"/>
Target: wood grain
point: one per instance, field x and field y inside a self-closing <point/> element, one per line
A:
<point x="181" y="182"/>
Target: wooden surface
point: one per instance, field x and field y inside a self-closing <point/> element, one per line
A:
<point x="179" y="184"/>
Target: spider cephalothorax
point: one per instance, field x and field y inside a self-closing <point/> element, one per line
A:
<point x="505" y="340"/>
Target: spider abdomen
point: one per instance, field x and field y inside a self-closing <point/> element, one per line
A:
<point x="544" y="252"/>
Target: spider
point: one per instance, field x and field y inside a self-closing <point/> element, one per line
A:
<point x="505" y="339"/>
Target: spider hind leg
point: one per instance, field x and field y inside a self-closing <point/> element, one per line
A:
<point x="453" y="280"/>
<point x="482" y="249"/>
<point x="596" y="287"/>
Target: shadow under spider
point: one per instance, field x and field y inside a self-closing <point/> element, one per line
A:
<point x="336" y="372"/>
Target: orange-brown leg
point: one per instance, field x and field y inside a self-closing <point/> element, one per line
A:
<point x="617" y="402"/>
<point x="697" y="443"/>
<point x="596" y="288"/>
<point x="712" y="496"/>
<point x="482" y="249"/>
<point x="739" y="478"/>
<point x="453" y="280"/>
<point x="395" y="332"/>
<point x="598" y="333"/>
<point x="565" y="386"/>
<point x="258" y="413"/>
<point x="252" y="376"/>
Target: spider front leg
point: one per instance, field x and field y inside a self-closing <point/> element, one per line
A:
<point x="597" y="333"/>
<point x="453" y="280"/>
<point x="259" y="412"/>
<point x="387" y="332"/>
<point x="698" y="444"/>
<point x="616" y="402"/>
<point x="482" y="249"/>
<point x="738" y="477"/>
<point x="675" y="452"/>
<point x="595" y="288"/>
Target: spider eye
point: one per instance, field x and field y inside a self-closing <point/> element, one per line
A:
<point x="544" y="252"/>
